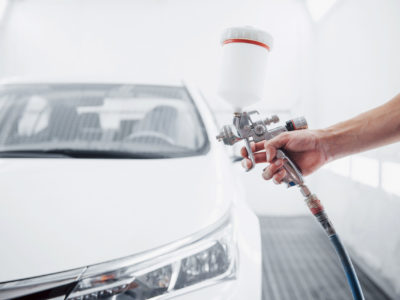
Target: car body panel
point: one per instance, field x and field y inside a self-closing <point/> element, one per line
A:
<point x="60" y="214"/>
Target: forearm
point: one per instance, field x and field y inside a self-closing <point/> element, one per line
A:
<point x="377" y="127"/>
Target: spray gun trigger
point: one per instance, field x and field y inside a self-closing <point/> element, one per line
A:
<point x="250" y="154"/>
<point x="293" y="175"/>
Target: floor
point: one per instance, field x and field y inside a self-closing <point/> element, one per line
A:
<point x="299" y="263"/>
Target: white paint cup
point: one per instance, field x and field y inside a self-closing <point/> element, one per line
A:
<point x="243" y="67"/>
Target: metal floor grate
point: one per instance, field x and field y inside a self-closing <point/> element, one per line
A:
<point x="299" y="263"/>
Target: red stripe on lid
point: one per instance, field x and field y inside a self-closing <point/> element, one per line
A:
<point x="247" y="41"/>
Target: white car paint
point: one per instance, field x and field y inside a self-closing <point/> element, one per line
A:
<point x="60" y="214"/>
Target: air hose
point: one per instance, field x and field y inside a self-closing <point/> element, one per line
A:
<point x="316" y="208"/>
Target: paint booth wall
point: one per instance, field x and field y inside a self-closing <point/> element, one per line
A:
<point x="149" y="41"/>
<point x="357" y="68"/>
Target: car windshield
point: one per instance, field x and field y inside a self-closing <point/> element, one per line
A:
<point x="128" y="120"/>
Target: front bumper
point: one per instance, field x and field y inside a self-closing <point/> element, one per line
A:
<point x="246" y="284"/>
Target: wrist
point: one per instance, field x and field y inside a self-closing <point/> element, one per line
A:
<point x="326" y="144"/>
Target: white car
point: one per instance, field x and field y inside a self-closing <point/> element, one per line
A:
<point x="119" y="191"/>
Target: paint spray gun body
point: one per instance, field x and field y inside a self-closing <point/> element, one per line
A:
<point x="244" y="128"/>
<point x="256" y="131"/>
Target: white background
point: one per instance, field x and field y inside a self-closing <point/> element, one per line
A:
<point x="328" y="69"/>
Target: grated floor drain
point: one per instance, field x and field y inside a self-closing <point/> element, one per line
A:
<point x="299" y="263"/>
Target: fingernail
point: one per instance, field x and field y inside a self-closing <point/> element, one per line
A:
<point x="267" y="153"/>
<point x="278" y="162"/>
<point x="244" y="164"/>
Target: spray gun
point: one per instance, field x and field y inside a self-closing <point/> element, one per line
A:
<point x="245" y="51"/>
<point x="244" y="128"/>
<point x="256" y="131"/>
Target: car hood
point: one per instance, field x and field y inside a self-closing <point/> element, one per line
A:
<point x="60" y="214"/>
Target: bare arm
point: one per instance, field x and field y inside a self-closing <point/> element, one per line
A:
<point x="310" y="149"/>
<point x="376" y="127"/>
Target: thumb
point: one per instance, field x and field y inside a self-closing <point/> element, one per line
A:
<point x="272" y="145"/>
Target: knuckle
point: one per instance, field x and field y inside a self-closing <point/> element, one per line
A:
<point x="284" y="135"/>
<point x="268" y="146"/>
<point x="279" y="175"/>
<point x="273" y="169"/>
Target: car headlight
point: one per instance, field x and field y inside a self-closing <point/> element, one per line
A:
<point x="204" y="259"/>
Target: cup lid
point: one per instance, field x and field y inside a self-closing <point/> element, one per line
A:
<point x="247" y="34"/>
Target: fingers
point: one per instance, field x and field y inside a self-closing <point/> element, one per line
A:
<point x="259" y="157"/>
<point x="273" y="168"/>
<point x="278" y="177"/>
<point x="272" y="145"/>
<point x="269" y="155"/>
<point x="255" y="147"/>
<point x="275" y="171"/>
<point x="246" y="163"/>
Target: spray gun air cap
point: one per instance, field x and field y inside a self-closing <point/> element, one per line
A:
<point x="243" y="65"/>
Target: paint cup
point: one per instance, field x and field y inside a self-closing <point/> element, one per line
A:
<point x="243" y="67"/>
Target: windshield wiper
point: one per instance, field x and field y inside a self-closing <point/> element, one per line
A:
<point x="80" y="153"/>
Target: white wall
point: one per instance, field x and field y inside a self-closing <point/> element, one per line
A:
<point x="357" y="68"/>
<point x="150" y="40"/>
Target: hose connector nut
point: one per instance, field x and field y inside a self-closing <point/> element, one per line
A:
<point x="296" y="124"/>
<point x="314" y="204"/>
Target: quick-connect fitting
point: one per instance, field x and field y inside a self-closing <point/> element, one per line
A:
<point x="314" y="204"/>
<point x="326" y="223"/>
<point x="305" y="190"/>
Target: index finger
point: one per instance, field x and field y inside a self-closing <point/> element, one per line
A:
<point x="255" y="147"/>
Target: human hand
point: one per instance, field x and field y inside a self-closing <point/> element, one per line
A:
<point x="304" y="147"/>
